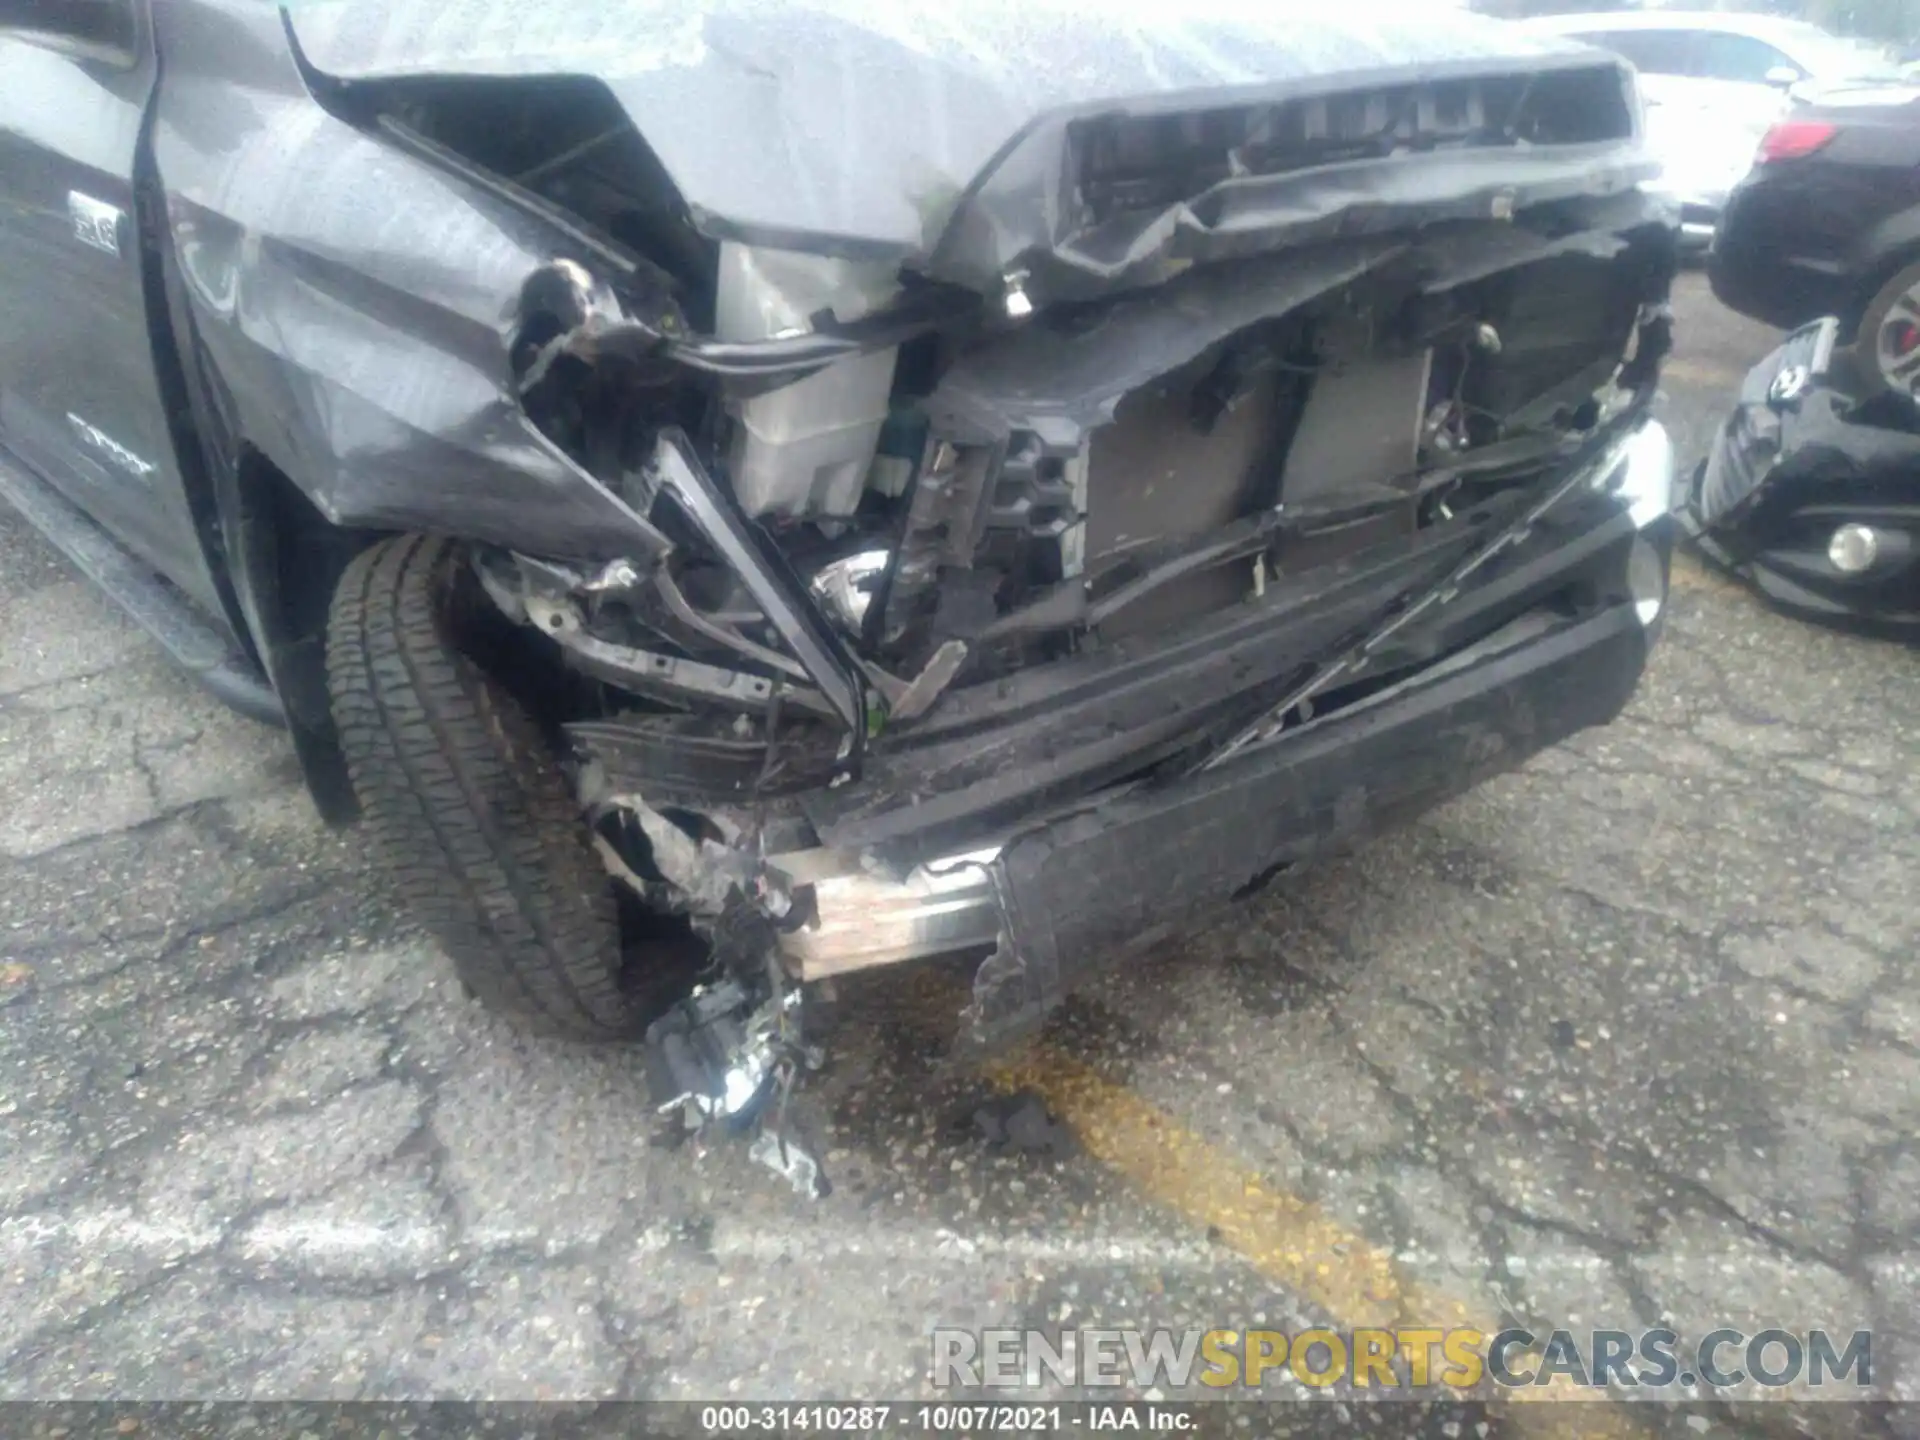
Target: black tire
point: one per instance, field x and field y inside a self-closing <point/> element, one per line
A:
<point x="471" y="815"/>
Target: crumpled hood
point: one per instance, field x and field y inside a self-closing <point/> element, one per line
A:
<point x="857" y="125"/>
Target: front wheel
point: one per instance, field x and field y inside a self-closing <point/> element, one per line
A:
<point x="466" y="805"/>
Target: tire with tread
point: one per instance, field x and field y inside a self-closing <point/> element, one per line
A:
<point x="472" y="816"/>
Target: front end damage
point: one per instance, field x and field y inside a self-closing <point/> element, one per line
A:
<point x="1041" y="681"/>
<point x="1218" y="485"/>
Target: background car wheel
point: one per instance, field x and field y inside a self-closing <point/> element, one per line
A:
<point x="464" y="800"/>
<point x="1888" y="342"/>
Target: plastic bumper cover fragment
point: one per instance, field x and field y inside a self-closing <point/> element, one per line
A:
<point x="1794" y="464"/>
<point x="1064" y="899"/>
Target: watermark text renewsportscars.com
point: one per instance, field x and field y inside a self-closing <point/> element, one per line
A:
<point x="1403" y="1359"/>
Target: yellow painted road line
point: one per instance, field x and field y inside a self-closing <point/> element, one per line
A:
<point x="1288" y="1239"/>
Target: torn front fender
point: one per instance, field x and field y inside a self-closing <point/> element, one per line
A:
<point x="354" y="306"/>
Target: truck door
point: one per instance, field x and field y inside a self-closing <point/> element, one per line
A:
<point x="80" y="400"/>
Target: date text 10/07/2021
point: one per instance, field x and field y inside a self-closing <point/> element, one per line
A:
<point x="946" y="1419"/>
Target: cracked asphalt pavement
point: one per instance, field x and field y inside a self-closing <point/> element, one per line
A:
<point x="1630" y="1037"/>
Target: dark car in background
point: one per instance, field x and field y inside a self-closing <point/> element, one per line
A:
<point x="1828" y="223"/>
<point x="1812" y="492"/>
<point x="1713" y="82"/>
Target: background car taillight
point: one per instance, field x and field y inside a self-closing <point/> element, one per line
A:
<point x="1792" y="139"/>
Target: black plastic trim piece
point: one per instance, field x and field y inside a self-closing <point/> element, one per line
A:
<point x="193" y="643"/>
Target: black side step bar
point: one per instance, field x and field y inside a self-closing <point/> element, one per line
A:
<point x="155" y="606"/>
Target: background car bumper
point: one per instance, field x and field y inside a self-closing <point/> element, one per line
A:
<point x="1799" y="577"/>
<point x="1760" y="265"/>
<point x="1766" y="287"/>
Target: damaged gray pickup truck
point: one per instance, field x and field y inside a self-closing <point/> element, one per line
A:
<point x="835" y="483"/>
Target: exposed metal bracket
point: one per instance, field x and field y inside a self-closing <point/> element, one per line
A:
<point x="930" y="683"/>
<point x="773" y="586"/>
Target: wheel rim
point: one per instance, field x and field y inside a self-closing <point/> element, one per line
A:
<point x="1897" y="344"/>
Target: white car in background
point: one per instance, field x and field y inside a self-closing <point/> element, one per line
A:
<point x="1714" y="82"/>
